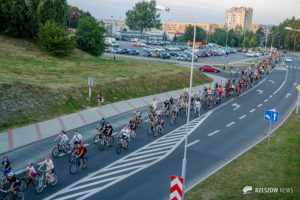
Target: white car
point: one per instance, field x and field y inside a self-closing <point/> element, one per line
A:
<point x="250" y="54"/>
<point x="288" y="59"/>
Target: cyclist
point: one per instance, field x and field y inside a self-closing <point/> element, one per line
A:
<point x="30" y="172"/>
<point x="154" y="103"/>
<point x="7" y="166"/>
<point x="80" y="152"/>
<point x="101" y="124"/>
<point x="171" y="101"/>
<point x="160" y="124"/>
<point x="197" y="106"/>
<point x="14" y="184"/>
<point x="77" y="138"/>
<point x="49" y="169"/>
<point x="125" y="135"/>
<point x="108" y="130"/>
<point x="137" y="115"/>
<point x="63" y="138"/>
<point x="132" y="126"/>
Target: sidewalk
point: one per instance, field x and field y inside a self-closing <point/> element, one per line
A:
<point x="14" y="138"/>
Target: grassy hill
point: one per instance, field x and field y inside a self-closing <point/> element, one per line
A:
<point x="35" y="86"/>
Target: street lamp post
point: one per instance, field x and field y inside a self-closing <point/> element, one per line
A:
<point x="296" y="30"/>
<point x="184" y="160"/>
<point x="227" y="37"/>
<point x="273" y="34"/>
<point x="244" y="39"/>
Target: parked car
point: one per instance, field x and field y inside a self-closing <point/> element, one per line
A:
<point x="209" y="68"/>
<point x="164" y="55"/>
<point x="250" y="54"/>
<point x="147" y="54"/>
<point x="288" y="59"/>
<point x="138" y="44"/>
<point x="115" y="44"/>
<point x="155" y="54"/>
<point x="134" y="52"/>
<point x="125" y="51"/>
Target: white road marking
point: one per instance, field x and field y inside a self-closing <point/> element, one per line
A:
<point x="286" y="75"/>
<point x="192" y="143"/>
<point x="266" y="100"/>
<point x="260" y="91"/>
<point x="85" y="188"/>
<point x="242" y="117"/>
<point x="272" y="81"/>
<point x="212" y="133"/>
<point x="252" y="110"/>
<point x="287" y="95"/>
<point x="294" y="84"/>
<point x="230" y="124"/>
<point x="270" y="96"/>
<point x="259" y="105"/>
<point x="237" y="106"/>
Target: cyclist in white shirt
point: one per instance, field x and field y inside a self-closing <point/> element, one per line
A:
<point x="77" y="138"/>
<point x="197" y="106"/>
<point x="30" y="172"/>
<point x="125" y="134"/>
<point x="63" y="138"/>
<point x="49" y="168"/>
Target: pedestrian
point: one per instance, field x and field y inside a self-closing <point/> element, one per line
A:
<point x="100" y="99"/>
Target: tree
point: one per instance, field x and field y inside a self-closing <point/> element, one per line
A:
<point x="54" y="39"/>
<point x="260" y="35"/>
<point x="143" y="16"/>
<point x="90" y="36"/>
<point x="74" y="14"/>
<point x="175" y="38"/>
<point x="54" y="10"/>
<point x="189" y="34"/>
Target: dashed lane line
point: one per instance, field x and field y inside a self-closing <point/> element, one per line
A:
<point x="213" y="133"/>
<point x="192" y="143"/>
<point x="266" y="100"/>
<point x="252" y="110"/>
<point x="242" y="117"/>
<point x="230" y="124"/>
<point x="259" y="105"/>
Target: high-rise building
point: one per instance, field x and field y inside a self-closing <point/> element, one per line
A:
<point x="239" y="18"/>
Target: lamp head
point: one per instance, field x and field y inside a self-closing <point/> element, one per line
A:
<point x="288" y="28"/>
<point x="162" y="8"/>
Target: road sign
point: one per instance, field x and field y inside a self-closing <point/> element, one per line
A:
<point x="298" y="88"/>
<point x="271" y="115"/>
<point x="176" y="188"/>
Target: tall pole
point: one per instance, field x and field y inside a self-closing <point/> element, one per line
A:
<point x="298" y="102"/>
<point x="227" y="38"/>
<point x="244" y="40"/>
<point x="266" y="40"/>
<point x="295" y="44"/>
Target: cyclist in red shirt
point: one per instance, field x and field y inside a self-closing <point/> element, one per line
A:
<point x="80" y="152"/>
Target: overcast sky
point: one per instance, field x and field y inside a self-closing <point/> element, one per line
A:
<point x="206" y="11"/>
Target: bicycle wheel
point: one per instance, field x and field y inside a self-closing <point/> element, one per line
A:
<point x="119" y="149"/>
<point x="54" y="179"/>
<point x="23" y="184"/>
<point x="67" y="148"/>
<point x="133" y="135"/>
<point x="96" y="138"/>
<point x="39" y="187"/>
<point x="84" y="163"/>
<point x="102" y="144"/>
<point x="73" y="167"/>
<point x="20" y="196"/>
<point x="55" y="152"/>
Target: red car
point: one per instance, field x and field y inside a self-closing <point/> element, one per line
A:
<point x="209" y="68"/>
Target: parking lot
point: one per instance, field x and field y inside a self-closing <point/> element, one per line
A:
<point x="214" y="54"/>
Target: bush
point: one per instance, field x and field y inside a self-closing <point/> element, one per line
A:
<point x="90" y="36"/>
<point x="54" y="39"/>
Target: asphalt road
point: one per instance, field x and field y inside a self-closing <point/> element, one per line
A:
<point x="143" y="172"/>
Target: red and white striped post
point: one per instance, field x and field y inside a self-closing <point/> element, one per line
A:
<point x="176" y="188"/>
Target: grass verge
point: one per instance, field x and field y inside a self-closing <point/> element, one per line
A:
<point x="35" y="86"/>
<point x="260" y="167"/>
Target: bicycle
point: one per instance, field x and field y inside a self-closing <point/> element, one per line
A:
<point x="41" y="181"/>
<point x="5" y="195"/>
<point x="59" y="149"/>
<point x="121" y="146"/>
<point x="76" y="164"/>
<point x="160" y="130"/>
<point x="25" y="181"/>
<point x="98" y="135"/>
<point x="197" y="112"/>
<point x="105" y="141"/>
<point x="174" y="119"/>
<point x="151" y="128"/>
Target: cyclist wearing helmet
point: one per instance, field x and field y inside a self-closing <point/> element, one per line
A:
<point x="14" y="183"/>
<point x="63" y="138"/>
<point x="125" y="135"/>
